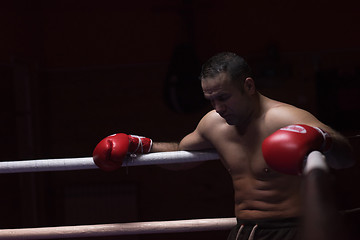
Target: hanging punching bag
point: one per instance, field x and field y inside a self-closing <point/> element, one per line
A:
<point x="182" y="88"/>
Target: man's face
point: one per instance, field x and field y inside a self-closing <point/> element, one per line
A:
<point x="227" y="99"/>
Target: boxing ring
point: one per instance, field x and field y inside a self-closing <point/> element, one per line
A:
<point x="315" y="164"/>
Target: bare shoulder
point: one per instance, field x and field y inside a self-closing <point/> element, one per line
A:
<point x="201" y="137"/>
<point x="210" y="122"/>
<point x="280" y="114"/>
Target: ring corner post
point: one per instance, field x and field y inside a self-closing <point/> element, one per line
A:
<point x="321" y="220"/>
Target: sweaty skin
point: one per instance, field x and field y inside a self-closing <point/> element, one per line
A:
<point x="236" y="128"/>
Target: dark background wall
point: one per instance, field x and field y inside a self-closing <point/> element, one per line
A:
<point x="73" y="72"/>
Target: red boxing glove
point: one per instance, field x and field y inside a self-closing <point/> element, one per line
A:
<point x="110" y="152"/>
<point x="286" y="149"/>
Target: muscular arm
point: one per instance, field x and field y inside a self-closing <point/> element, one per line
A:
<point x="194" y="141"/>
<point x="340" y="154"/>
<point x="165" y="146"/>
<point x="197" y="140"/>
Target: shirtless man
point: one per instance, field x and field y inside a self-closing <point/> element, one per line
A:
<point x="265" y="199"/>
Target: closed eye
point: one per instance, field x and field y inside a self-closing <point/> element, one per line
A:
<point x="220" y="98"/>
<point x="223" y="98"/>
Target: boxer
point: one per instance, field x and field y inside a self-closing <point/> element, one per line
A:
<point x="262" y="143"/>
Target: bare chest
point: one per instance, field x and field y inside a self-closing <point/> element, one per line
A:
<point x="242" y="154"/>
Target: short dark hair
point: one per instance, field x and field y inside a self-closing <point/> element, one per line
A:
<point x="227" y="62"/>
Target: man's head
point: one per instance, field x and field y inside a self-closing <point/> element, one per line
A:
<point x="230" y="63"/>
<point x="226" y="83"/>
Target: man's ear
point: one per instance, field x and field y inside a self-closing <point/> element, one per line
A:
<point x="249" y="86"/>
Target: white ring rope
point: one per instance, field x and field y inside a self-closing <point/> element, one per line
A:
<point x="158" y="158"/>
<point x="117" y="229"/>
<point x="315" y="160"/>
<point x="67" y="164"/>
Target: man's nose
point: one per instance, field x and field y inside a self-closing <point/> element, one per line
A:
<point x="219" y="107"/>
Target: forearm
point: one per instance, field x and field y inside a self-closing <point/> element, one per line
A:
<point x="172" y="146"/>
<point x="164" y="146"/>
